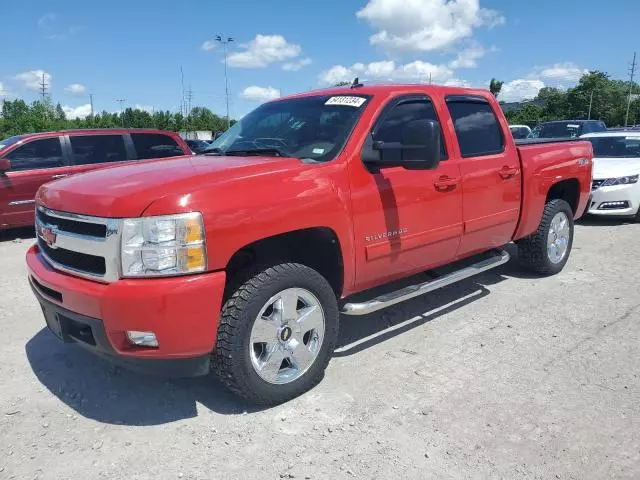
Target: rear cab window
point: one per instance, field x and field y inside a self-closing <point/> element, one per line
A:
<point x="93" y="149"/>
<point x="37" y="154"/>
<point x="477" y="128"/>
<point x="155" y="145"/>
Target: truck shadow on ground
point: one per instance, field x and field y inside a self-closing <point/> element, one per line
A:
<point x="109" y="394"/>
<point x="17" y="234"/>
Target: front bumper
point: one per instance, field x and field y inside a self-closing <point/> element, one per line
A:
<point x="183" y="312"/>
<point x="616" y="193"/>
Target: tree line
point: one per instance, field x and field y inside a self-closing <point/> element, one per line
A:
<point x="596" y="96"/>
<point x="19" y="117"/>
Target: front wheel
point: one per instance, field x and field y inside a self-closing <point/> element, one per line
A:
<point x="547" y="250"/>
<point x="277" y="333"/>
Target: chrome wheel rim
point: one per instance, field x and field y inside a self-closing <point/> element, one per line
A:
<point x="287" y="335"/>
<point x="558" y="238"/>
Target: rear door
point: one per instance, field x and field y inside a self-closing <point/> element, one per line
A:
<point x="405" y="221"/>
<point x="33" y="164"/>
<point x="155" y="145"/>
<point x="89" y="152"/>
<point x="490" y="169"/>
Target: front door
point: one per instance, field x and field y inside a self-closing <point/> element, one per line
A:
<point x="32" y="164"/>
<point x="490" y="169"/>
<point x="405" y="221"/>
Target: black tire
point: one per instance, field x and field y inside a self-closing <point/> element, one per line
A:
<point x="636" y="219"/>
<point x="532" y="250"/>
<point x="231" y="357"/>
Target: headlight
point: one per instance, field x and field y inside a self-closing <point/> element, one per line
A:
<point x="161" y="246"/>
<point x="609" y="182"/>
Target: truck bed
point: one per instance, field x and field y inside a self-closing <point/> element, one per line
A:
<point x="543" y="161"/>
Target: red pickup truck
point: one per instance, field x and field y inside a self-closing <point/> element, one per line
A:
<point x="241" y="260"/>
<point x="31" y="160"/>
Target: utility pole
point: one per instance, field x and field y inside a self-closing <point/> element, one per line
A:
<point x="429" y="78"/>
<point x="189" y="98"/>
<point x="183" y="106"/>
<point x="91" y="102"/>
<point x="225" y="41"/>
<point x="43" y="87"/>
<point x="632" y="71"/>
<point x="121" y="102"/>
<point x="590" y="104"/>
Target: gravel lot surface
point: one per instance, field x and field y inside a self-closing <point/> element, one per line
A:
<point x="501" y="376"/>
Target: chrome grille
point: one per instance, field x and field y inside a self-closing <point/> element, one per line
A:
<point x="81" y="245"/>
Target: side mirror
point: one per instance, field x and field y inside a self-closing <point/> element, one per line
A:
<point x="5" y="165"/>
<point x="421" y="145"/>
<point x="418" y="150"/>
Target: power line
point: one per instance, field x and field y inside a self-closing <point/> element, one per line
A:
<point x="225" y="41"/>
<point x="632" y="71"/>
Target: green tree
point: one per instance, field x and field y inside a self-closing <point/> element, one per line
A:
<point x="495" y="86"/>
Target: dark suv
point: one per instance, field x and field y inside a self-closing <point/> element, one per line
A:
<point x="28" y="161"/>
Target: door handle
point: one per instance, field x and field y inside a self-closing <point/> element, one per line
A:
<point x="446" y="183"/>
<point x="508" y="172"/>
<point x="61" y="175"/>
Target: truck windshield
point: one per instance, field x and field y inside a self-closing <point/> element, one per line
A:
<point x="616" y="147"/>
<point x="10" y="141"/>
<point x="310" y="128"/>
<point x="557" y="130"/>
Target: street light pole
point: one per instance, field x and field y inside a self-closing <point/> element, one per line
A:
<point x="225" y="41"/>
<point x="590" y="103"/>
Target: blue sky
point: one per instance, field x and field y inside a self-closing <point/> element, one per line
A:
<point x="134" y="49"/>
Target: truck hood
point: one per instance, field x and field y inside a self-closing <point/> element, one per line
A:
<point x="615" y="167"/>
<point x="126" y="191"/>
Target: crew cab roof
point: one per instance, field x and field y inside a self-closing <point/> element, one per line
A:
<point x="392" y="88"/>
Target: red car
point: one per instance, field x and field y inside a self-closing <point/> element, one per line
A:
<point x="242" y="259"/>
<point x="31" y="160"/>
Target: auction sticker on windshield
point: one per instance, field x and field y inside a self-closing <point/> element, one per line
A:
<point x="346" y="101"/>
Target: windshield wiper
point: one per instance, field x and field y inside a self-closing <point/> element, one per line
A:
<point x="257" y="151"/>
<point x="213" y="151"/>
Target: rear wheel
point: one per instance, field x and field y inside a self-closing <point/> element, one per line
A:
<point x="277" y="333"/>
<point x="546" y="251"/>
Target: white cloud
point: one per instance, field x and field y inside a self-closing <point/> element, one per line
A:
<point x="75" y="88"/>
<point x="387" y="70"/>
<point x="467" y="57"/>
<point x="295" y="66"/>
<point x="520" y="89"/>
<point x="260" y="94"/>
<point x="47" y="20"/>
<point x="145" y="108"/>
<point x="32" y="79"/>
<point x="3" y="91"/>
<point x="263" y="50"/>
<point x="208" y="45"/>
<point x="425" y="25"/>
<point x="81" y="111"/>
<point x="561" y="72"/>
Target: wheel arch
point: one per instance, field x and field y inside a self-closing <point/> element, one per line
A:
<point x="317" y="247"/>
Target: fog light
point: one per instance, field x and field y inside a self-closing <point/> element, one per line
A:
<point x="613" y="205"/>
<point x="142" y="339"/>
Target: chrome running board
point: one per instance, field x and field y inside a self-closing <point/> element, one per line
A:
<point x="499" y="257"/>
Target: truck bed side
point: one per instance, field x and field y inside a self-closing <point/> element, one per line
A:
<point x="564" y="164"/>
